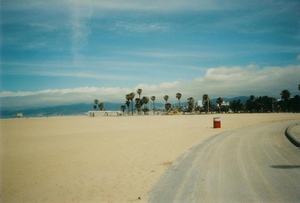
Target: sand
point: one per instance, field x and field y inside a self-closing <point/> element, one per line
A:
<point x="101" y="159"/>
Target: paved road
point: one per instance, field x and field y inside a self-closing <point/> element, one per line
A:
<point x="250" y="164"/>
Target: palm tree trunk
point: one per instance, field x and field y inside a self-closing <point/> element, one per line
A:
<point x="131" y="107"/>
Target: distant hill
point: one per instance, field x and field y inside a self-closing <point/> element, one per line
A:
<point x="82" y="108"/>
<point x="62" y="110"/>
<point x="74" y="109"/>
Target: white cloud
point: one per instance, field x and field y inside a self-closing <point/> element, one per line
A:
<point x="80" y="31"/>
<point x="48" y="91"/>
<point x="217" y="82"/>
<point x="52" y="97"/>
<point x="234" y="81"/>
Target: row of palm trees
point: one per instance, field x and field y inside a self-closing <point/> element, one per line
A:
<point x="141" y="104"/>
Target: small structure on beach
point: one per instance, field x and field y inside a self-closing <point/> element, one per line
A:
<point x="104" y="113"/>
<point x="172" y="112"/>
<point x="19" y="115"/>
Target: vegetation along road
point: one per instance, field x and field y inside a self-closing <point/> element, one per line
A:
<point x="251" y="164"/>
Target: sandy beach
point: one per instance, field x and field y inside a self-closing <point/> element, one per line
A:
<point x="101" y="159"/>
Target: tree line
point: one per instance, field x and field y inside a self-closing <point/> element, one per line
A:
<point x="262" y="104"/>
<point x="257" y="104"/>
<point x="252" y="105"/>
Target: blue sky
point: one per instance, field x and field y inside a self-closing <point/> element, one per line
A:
<point x="62" y="52"/>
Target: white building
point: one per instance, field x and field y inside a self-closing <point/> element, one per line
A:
<point x="19" y="115"/>
<point x="225" y="103"/>
<point x="104" y="113"/>
<point x="200" y="103"/>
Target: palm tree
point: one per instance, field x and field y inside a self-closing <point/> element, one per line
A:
<point x="132" y="95"/>
<point x="145" y="101"/>
<point x="285" y="95"/>
<point x="101" y="106"/>
<point x="139" y="91"/>
<point x="296" y="103"/>
<point x="128" y="101"/>
<point x="191" y="104"/>
<point x="166" y="97"/>
<point x="138" y="104"/>
<point x="153" y="99"/>
<point x="219" y="102"/>
<point x="127" y="104"/>
<point x="123" y="107"/>
<point x="168" y="106"/>
<point x="206" y="99"/>
<point x="250" y="103"/>
<point x="95" y="102"/>
<point x="128" y="97"/>
<point x="178" y="96"/>
<point x="236" y="105"/>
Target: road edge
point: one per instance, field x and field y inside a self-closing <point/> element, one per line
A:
<point x="290" y="135"/>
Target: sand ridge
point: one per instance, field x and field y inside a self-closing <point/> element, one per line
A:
<point x="101" y="159"/>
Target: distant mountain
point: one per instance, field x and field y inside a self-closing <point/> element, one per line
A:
<point x="82" y="108"/>
<point x="62" y="110"/>
<point x="74" y="109"/>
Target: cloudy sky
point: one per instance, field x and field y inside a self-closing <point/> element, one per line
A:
<point x="63" y="52"/>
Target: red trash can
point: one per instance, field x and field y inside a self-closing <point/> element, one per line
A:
<point x="217" y="122"/>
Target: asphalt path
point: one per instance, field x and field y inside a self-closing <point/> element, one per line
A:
<point x="251" y="164"/>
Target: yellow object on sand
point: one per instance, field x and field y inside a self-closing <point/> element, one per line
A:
<point x="172" y="112"/>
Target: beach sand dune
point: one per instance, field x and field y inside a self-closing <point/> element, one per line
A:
<point x="101" y="159"/>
